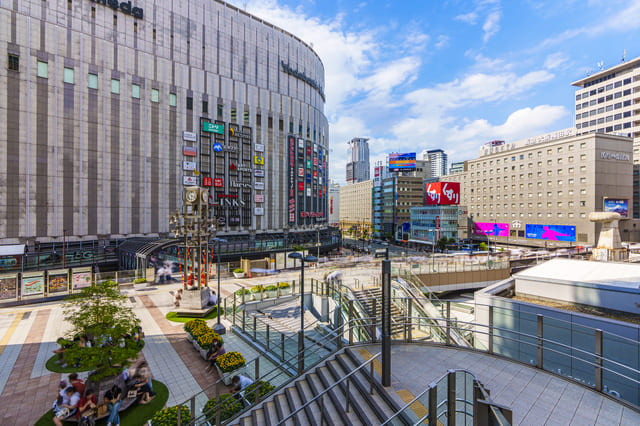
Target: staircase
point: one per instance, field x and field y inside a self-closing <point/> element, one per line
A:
<point x="364" y="409"/>
<point x="371" y="301"/>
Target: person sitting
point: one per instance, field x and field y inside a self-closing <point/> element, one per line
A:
<point x="87" y="405"/>
<point x="84" y="342"/>
<point x="64" y="345"/>
<point x="213" y="353"/>
<point x="77" y="383"/>
<point x="213" y="299"/>
<point x="113" y="398"/>
<point x="177" y="297"/>
<point x="68" y="407"/>
<point x="238" y="384"/>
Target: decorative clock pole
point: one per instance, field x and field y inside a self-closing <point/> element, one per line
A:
<point x="196" y="227"/>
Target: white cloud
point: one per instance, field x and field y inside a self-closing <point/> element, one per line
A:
<point x="470" y="18"/>
<point x="555" y="60"/>
<point x="491" y="25"/>
<point x="443" y="41"/>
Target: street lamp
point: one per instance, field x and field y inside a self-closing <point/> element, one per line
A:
<point x="219" y="328"/>
<point x="318" y="239"/>
<point x="308" y="258"/>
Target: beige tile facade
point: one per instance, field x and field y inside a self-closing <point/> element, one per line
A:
<point x="549" y="180"/>
<point x="355" y="207"/>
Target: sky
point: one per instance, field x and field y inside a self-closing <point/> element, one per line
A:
<point x="452" y="74"/>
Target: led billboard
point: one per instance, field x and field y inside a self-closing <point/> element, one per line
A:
<point x="439" y="193"/>
<point x="492" y="229"/>
<point x="399" y="162"/>
<point x="551" y="232"/>
<point x="617" y="205"/>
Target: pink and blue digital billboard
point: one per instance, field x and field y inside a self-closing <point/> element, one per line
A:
<point x="492" y="229"/>
<point x="551" y="232"/>
<point x="399" y="162"/>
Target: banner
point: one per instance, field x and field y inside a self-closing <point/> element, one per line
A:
<point x="81" y="277"/>
<point x="9" y="287"/>
<point x="491" y="228"/>
<point x="58" y="281"/>
<point x="617" y="205"/>
<point x="551" y="232"/>
<point x="33" y="284"/>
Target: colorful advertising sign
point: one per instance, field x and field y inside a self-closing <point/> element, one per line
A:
<point x="189" y="180"/>
<point x="206" y="181"/>
<point x="402" y="161"/>
<point x="33" y="284"/>
<point x="81" y="277"/>
<point x="213" y="128"/>
<point x="551" y="232"/>
<point x="9" y="287"/>
<point x="438" y="193"/>
<point x="58" y="281"/>
<point x="617" y="205"/>
<point x="292" y="180"/>
<point x="491" y="228"/>
<point x="258" y="160"/>
<point x="189" y="165"/>
<point x="217" y="183"/>
<point x="189" y="151"/>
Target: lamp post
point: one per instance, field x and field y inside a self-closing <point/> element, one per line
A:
<point x="318" y="241"/>
<point x="219" y="328"/>
<point x="308" y="258"/>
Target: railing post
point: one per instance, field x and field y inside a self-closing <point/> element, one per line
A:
<point x="255" y="328"/>
<point x="193" y="407"/>
<point x="243" y="301"/>
<point x="374" y="319"/>
<point x="300" y="351"/>
<point x="433" y="405"/>
<point x="267" y="336"/>
<point x="410" y="320"/>
<point x="451" y="398"/>
<point x="257" y="398"/>
<point x="225" y="309"/>
<point x="491" y="329"/>
<point x="293" y="287"/>
<point x="539" y="342"/>
<point x="386" y="321"/>
<point x="371" y="378"/>
<point x="257" y="368"/>
<point x="261" y="293"/>
<point x="282" y="347"/>
<point x="599" y="360"/>
<point x="351" y="322"/>
<point x="234" y="308"/>
<point x="346" y="410"/>
<point x="448" y="337"/>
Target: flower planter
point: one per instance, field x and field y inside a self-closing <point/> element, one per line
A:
<point x="238" y="274"/>
<point x="203" y="354"/>
<point x="196" y="346"/>
<point x="270" y="294"/>
<point x="226" y="377"/>
<point x="189" y="338"/>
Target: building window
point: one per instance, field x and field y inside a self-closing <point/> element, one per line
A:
<point x="205" y="107"/>
<point x="219" y="111"/>
<point x="92" y="81"/>
<point x="115" y="86"/>
<point x="246" y="116"/>
<point x="135" y="91"/>
<point x="43" y="69"/>
<point x="189" y="103"/>
<point x="67" y="76"/>
<point x="14" y="62"/>
<point x="155" y="95"/>
<point x="233" y="114"/>
<point x="173" y="99"/>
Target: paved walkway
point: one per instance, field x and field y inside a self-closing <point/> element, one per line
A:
<point x="536" y="397"/>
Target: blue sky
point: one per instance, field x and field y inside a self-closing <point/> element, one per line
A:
<point x="413" y="75"/>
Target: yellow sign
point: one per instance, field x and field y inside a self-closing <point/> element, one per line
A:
<point x="259" y="160"/>
<point x="197" y="173"/>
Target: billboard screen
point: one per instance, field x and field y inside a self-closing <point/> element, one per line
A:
<point x="399" y="162"/>
<point x="439" y="193"/>
<point x="494" y="229"/>
<point x="551" y="232"/>
<point x="617" y="205"/>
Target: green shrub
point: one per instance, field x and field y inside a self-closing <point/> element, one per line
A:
<point x="139" y="280"/>
<point x="250" y="392"/>
<point x="229" y="407"/>
<point x="284" y="285"/>
<point x="169" y="416"/>
<point x="270" y="288"/>
<point x="242" y="290"/>
<point x="238" y="271"/>
<point x="256" y="289"/>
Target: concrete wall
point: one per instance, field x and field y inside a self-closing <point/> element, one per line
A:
<point x="450" y="278"/>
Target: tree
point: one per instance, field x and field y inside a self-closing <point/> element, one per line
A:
<point x="483" y="246"/>
<point x="444" y="242"/>
<point x="98" y="313"/>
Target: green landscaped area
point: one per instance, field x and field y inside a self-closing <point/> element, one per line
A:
<point x="55" y="366"/>
<point x="173" y="316"/>
<point x="136" y="415"/>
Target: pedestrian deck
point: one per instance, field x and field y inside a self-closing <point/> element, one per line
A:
<point x="535" y="396"/>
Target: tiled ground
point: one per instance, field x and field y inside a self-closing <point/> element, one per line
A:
<point x="27" y="339"/>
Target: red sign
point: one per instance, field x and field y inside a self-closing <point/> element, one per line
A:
<point x="189" y="151"/>
<point x="217" y="182"/>
<point x="315" y="161"/>
<point x="300" y="171"/>
<point x="439" y="193"/>
<point x="206" y="181"/>
<point x="311" y="214"/>
<point x="437" y="222"/>
<point x="315" y="173"/>
<point x="232" y="167"/>
<point x="300" y="186"/>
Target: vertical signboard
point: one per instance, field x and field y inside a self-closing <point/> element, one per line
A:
<point x="292" y="179"/>
<point x="81" y="277"/>
<point x="32" y="284"/>
<point x="58" y="281"/>
<point x="8" y="287"/>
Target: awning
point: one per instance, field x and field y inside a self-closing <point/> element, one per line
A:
<point x="429" y="243"/>
<point x="12" y="250"/>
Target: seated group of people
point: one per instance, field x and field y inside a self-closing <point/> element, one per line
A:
<point x="74" y="400"/>
<point x="84" y="341"/>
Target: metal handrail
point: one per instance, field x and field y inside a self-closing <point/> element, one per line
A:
<point x="321" y="394"/>
<point x="281" y="366"/>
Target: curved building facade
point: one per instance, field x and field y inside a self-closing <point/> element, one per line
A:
<point x="110" y="108"/>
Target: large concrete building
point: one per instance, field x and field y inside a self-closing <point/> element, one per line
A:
<point x="551" y="180"/>
<point x="358" y="166"/>
<point x="109" y="109"/>
<point x="355" y="208"/>
<point x="438" y="161"/>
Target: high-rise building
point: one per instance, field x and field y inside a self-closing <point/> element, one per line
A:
<point x="399" y="194"/>
<point x="457" y="167"/>
<point x="438" y="160"/>
<point x="358" y="164"/>
<point x="607" y="102"/>
<point x="334" y="204"/>
<point x="355" y="208"/>
<point x="107" y="113"/>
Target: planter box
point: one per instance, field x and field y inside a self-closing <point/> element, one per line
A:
<point x="238" y="274"/>
<point x="270" y="294"/>
<point x="189" y="338"/>
<point x="196" y="346"/>
<point x="226" y="377"/>
<point x="203" y="354"/>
